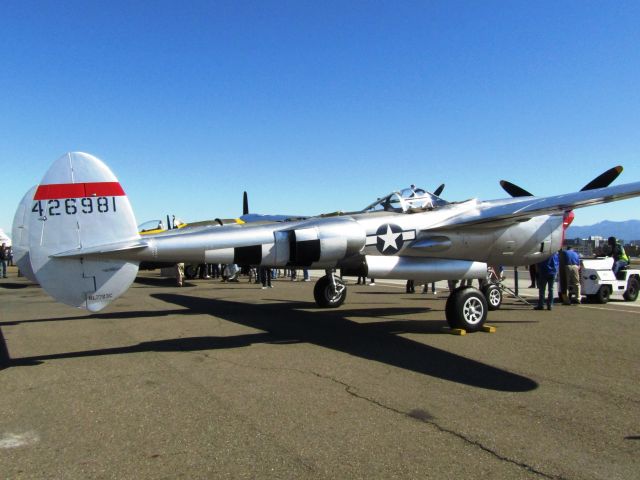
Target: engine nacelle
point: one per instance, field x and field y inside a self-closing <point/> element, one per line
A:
<point x="324" y="245"/>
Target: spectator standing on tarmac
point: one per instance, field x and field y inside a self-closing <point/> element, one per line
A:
<point x="179" y="271"/>
<point x="547" y="271"/>
<point x="620" y="258"/>
<point x="265" y="277"/>
<point x="410" y="287"/>
<point x="4" y="257"/>
<point x="425" y="288"/>
<point x="533" y="275"/>
<point x="572" y="267"/>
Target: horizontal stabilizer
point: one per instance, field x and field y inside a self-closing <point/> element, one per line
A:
<point x="102" y="249"/>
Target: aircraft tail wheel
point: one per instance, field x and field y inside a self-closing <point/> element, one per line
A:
<point x="494" y="296"/>
<point x="466" y="308"/>
<point x="328" y="296"/>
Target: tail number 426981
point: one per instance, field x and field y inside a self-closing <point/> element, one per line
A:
<point x="73" y="206"/>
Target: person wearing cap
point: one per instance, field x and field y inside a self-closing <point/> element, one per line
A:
<point x="620" y="258"/>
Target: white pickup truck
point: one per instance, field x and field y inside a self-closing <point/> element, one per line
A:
<point x="599" y="283"/>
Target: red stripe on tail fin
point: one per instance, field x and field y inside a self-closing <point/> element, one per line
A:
<point x="78" y="190"/>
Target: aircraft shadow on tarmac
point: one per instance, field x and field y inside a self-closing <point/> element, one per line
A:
<point x="17" y="286"/>
<point x="295" y="322"/>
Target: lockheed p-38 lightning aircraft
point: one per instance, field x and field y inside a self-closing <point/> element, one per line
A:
<point x="77" y="232"/>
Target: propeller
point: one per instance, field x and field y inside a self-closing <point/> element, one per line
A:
<point x="603" y="180"/>
<point x="245" y="204"/>
<point x="514" y="190"/>
<point x="439" y="190"/>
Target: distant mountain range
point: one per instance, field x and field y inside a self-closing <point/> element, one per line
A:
<point x="627" y="230"/>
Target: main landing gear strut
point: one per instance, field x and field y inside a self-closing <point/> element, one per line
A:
<point x="466" y="307"/>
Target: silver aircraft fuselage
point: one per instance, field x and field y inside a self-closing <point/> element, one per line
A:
<point x="380" y="244"/>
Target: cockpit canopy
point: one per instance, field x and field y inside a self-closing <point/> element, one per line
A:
<point x="151" y="226"/>
<point x="406" y="201"/>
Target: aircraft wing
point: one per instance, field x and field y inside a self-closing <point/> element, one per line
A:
<point x="521" y="209"/>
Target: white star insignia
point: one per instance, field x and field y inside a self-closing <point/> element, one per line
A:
<point x="389" y="239"/>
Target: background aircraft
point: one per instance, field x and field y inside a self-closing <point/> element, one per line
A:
<point x="4" y="238"/>
<point x="85" y="248"/>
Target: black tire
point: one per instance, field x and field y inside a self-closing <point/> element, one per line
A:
<point x="493" y="294"/>
<point x="328" y="297"/>
<point x="631" y="293"/>
<point x="190" y="271"/>
<point x="467" y="309"/>
<point x="603" y="294"/>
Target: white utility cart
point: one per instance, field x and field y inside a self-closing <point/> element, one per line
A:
<point x="599" y="283"/>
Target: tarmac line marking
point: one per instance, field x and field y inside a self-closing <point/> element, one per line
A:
<point x="610" y="309"/>
<point x="15" y="440"/>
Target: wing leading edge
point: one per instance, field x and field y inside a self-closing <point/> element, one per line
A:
<point x="515" y="210"/>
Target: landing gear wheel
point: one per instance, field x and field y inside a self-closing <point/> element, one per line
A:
<point x="603" y="294"/>
<point x="190" y="271"/>
<point x="467" y="309"/>
<point x="494" y="296"/>
<point x="328" y="296"/>
<point x="631" y="293"/>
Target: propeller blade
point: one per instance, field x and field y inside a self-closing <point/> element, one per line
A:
<point x="604" y="179"/>
<point x="245" y="204"/>
<point x="439" y="190"/>
<point x="514" y="190"/>
<point x="601" y="181"/>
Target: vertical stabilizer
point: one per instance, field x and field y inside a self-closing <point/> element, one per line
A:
<point x="78" y="204"/>
<point x="20" y="233"/>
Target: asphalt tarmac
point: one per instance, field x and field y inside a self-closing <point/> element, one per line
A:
<point x="218" y="380"/>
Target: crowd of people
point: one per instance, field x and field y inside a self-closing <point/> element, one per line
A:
<point x="231" y="273"/>
<point x="545" y="274"/>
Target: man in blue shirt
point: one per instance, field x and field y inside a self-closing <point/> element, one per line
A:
<point x="572" y="267"/>
<point x="547" y="271"/>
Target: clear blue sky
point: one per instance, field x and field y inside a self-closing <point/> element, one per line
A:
<point x="320" y="106"/>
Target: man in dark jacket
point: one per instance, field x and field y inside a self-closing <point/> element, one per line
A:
<point x="547" y="271"/>
<point x="4" y="257"/>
